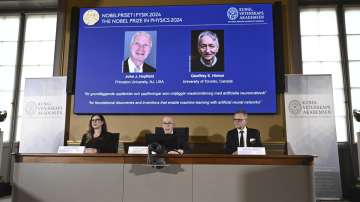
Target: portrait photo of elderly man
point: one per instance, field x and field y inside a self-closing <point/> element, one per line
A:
<point x="208" y="51"/>
<point x="138" y="51"/>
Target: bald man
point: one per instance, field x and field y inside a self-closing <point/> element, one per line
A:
<point x="167" y="125"/>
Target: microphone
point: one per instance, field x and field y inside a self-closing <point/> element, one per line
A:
<point x="154" y="159"/>
<point x="356" y="113"/>
<point x="3" y="115"/>
<point x="156" y="147"/>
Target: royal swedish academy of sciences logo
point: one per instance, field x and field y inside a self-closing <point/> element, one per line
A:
<point x="30" y="108"/>
<point x="294" y="107"/>
<point x="232" y="13"/>
<point x="91" y="17"/>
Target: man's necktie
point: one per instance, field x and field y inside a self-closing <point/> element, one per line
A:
<point x="137" y="69"/>
<point x="241" y="138"/>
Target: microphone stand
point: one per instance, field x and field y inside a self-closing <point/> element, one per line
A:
<point x="5" y="187"/>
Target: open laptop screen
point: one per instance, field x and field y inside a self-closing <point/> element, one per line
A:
<point x="170" y="142"/>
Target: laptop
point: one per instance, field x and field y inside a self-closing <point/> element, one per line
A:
<point x="170" y="142"/>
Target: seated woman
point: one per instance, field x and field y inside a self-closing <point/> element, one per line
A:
<point x="97" y="139"/>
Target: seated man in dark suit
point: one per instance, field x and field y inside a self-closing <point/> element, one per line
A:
<point x="241" y="136"/>
<point x="140" y="48"/>
<point x="168" y="128"/>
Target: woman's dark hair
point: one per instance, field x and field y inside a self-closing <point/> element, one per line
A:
<point x="90" y="132"/>
<point x="103" y="128"/>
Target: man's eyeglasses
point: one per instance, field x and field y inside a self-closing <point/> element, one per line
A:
<point x="239" y="120"/>
<point x="167" y="123"/>
<point x="95" y="120"/>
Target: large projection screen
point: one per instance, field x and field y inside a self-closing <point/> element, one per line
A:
<point x="203" y="59"/>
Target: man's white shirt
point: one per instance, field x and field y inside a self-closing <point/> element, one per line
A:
<point x="210" y="65"/>
<point x="132" y="67"/>
<point x="244" y="135"/>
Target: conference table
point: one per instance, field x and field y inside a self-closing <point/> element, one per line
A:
<point x="184" y="178"/>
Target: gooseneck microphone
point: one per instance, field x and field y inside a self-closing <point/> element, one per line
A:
<point x="155" y="150"/>
<point x="356" y="113"/>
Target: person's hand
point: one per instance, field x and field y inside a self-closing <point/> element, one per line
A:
<point x="234" y="153"/>
<point x="173" y="152"/>
<point x="90" y="150"/>
<point x="178" y="151"/>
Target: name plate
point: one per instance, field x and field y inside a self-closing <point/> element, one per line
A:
<point x="71" y="149"/>
<point x="138" y="150"/>
<point x="251" y="151"/>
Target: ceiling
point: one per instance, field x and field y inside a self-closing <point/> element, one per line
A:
<point x="27" y="4"/>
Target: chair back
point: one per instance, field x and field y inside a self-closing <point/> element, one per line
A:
<point x="177" y="130"/>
